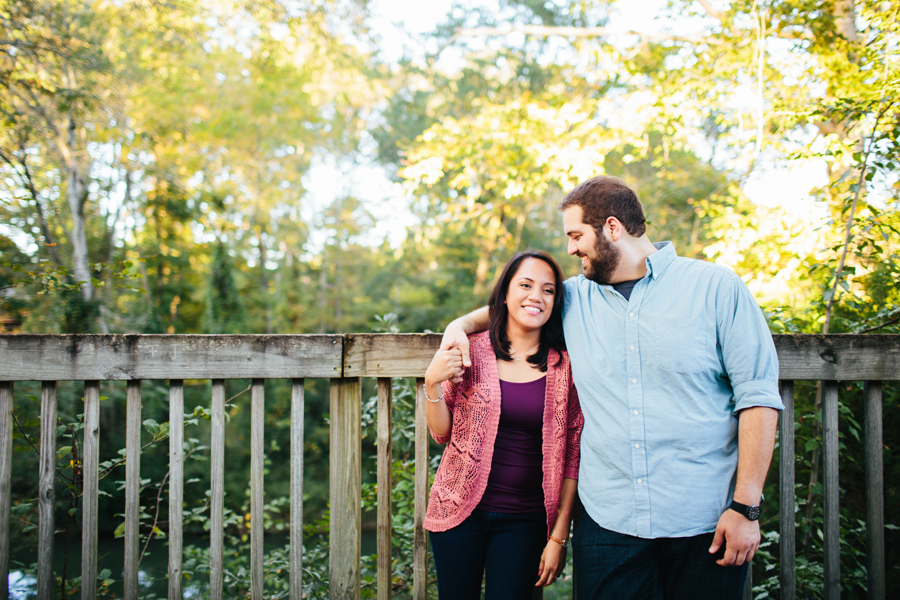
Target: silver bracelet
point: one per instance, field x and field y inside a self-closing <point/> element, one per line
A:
<point x="441" y="397"/>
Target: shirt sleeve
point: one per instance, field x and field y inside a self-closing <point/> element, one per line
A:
<point x="748" y="352"/>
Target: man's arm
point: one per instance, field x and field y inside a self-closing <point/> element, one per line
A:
<point x="756" y="442"/>
<point x="460" y="328"/>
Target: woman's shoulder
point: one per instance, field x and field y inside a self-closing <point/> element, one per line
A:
<point x="559" y="363"/>
<point x="480" y="340"/>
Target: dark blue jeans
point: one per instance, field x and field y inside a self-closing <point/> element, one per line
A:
<point x="504" y="548"/>
<point x="610" y="565"/>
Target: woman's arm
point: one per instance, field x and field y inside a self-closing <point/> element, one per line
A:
<point x="446" y="365"/>
<point x="554" y="557"/>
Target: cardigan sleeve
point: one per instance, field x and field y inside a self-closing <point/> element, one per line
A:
<point x="450" y="393"/>
<point x="573" y="431"/>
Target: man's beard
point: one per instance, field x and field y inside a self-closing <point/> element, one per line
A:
<point x="600" y="269"/>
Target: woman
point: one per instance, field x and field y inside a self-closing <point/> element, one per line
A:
<point x="501" y="501"/>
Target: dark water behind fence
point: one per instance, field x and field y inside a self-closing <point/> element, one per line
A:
<point x="152" y="576"/>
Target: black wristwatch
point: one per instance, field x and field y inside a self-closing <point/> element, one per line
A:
<point x="750" y="511"/>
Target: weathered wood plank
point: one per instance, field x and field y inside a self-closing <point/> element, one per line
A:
<point x="297" y="401"/>
<point x="122" y="357"/>
<point x="420" y="536"/>
<point x="832" y="491"/>
<point x="132" y="487"/>
<point x="6" y="448"/>
<point x="90" y="518"/>
<point x="217" y="492"/>
<point x="389" y="354"/>
<point x="786" y="478"/>
<point x="838" y="357"/>
<point x="257" y="497"/>
<point x="384" y="445"/>
<point x="875" y="492"/>
<point x="46" y="493"/>
<point x="748" y="583"/>
<point x="345" y="540"/>
<point x="807" y="357"/>
<point x="176" y="485"/>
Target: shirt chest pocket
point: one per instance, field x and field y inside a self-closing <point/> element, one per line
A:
<point x="681" y="344"/>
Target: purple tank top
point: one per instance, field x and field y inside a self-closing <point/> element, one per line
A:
<point x="516" y="477"/>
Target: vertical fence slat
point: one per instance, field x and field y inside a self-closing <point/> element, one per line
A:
<point x="297" y="489"/>
<point x="257" y="456"/>
<point x="345" y="491"/>
<point x="132" y="486"/>
<point x="217" y="492"/>
<point x="90" y="520"/>
<point x="176" y="484"/>
<point x="832" y="491"/>
<point x="786" y="478"/>
<point x="875" y="492"/>
<point x="385" y="446"/>
<point x="748" y="583"/>
<point x="46" y="494"/>
<point x="420" y="539"/>
<point x="6" y="408"/>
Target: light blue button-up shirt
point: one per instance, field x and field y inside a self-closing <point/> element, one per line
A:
<point x="660" y="378"/>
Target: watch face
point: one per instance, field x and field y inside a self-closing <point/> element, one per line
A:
<point x="753" y="513"/>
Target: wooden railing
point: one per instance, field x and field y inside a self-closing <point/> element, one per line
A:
<point x="345" y="359"/>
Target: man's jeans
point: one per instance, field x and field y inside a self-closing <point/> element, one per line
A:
<point x="614" y="566"/>
<point x="505" y="548"/>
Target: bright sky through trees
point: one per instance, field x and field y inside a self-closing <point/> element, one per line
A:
<point x="403" y="27"/>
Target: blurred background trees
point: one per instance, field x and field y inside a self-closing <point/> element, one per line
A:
<point x="218" y="167"/>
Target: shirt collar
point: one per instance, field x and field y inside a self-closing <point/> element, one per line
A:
<point x="659" y="261"/>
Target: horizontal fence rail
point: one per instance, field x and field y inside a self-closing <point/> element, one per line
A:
<point x="344" y="360"/>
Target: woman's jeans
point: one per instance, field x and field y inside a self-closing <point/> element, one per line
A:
<point x="610" y="565"/>
<point x="505" y="548"/>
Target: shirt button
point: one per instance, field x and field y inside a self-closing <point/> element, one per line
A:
<point x="634" y="381"/>
<point x="630" y="314"/>
<point x="632" y="347"/>
<point x="637" y="445"/>
<point x="635" y="413"/>
<point x="640" y="480"/>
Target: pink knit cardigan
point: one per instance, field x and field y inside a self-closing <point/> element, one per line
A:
<point x="475" y="407"/>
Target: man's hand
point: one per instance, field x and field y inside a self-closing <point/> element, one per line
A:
<point x="741" y="538"/>
<point x="459" y="330"/>
<point x="456" y="334"/>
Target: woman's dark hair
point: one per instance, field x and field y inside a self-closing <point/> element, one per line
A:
<point x="551" y="332"/>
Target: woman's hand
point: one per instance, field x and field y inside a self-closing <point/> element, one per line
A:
<point x="446" y="365"/>
<point x="553" y="560"/>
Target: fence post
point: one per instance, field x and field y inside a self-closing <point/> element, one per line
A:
<point x="345" y="490"/>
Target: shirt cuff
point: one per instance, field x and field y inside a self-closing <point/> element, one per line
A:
<point x="757" y="393"/>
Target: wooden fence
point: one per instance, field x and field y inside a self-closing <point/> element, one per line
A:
<point x="345" y="359"/>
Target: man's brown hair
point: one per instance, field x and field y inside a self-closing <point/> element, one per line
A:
<point x="605" y="196"/>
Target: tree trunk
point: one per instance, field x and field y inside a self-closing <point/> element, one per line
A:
<point x="76" y="194"/>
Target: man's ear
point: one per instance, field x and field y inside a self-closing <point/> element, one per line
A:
<point x="616" y="229"/>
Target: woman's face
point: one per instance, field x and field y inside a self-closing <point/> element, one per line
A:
<point x="529" y="299"/>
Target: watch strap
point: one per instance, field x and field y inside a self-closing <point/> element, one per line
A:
<point x="751" y="511"/>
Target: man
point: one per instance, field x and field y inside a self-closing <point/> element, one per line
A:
<point x="678" y="381"/>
